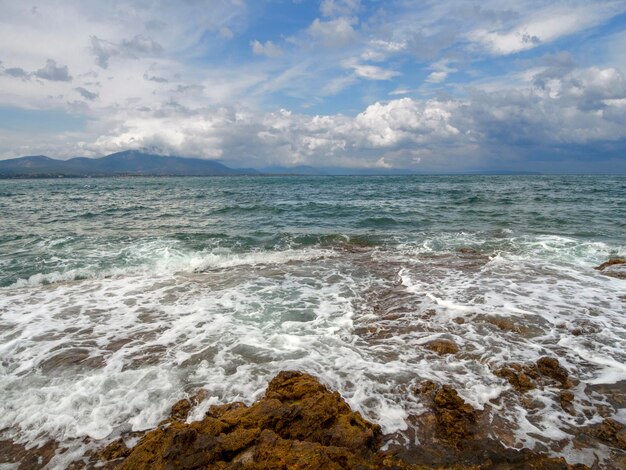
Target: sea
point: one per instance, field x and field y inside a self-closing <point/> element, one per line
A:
<point x="121" y="296"/>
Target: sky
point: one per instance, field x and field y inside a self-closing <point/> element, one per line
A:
<point x="417" y="84"/>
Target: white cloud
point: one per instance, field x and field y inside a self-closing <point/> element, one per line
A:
<point x="437" y="77"/>
<point x="334" y="33"/>
<point x="370" y="72"/>
<point x="546" y="25"/>
<point x="268" y="49"/>
<point x="153" y="74"/>
<point x="339" y="7"/>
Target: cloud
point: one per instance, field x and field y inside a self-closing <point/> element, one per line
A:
<point x="443" y="133"/>
<point x="133" y="48"/>
<point x="370" y="72"/>
<point x="333" y="33"/>
<point x="88" y="95"/>
<point x="437" y="77"/>
<point x="545" y="25"/>
<point x="103" y="50"/>
<point x="53" y="73"/>
<point x="339" y="7"/>
<point x="16" y="72"/>
<point x="141" y="45"/>
<point x="269" y="49"/>
<point x="165" y="74"/>
<point x="226" y="32"/>
<point x="154" y="78"/>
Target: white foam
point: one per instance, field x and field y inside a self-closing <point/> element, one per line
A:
<point x="228" y="322"/>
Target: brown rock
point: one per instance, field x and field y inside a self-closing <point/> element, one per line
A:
<point x="617" y="273"/>
<point x="26" y="459"/>
<point x="180" y="409"/>
<point x="519" y="376"/>
<point x="612" y="432"/>
<point x="455" y="418"/>
<point x="611" y="262"/>
<point x="551" y="367"/>
<point x="505" y="324"/>
<point x="298" y="424"/>
<point x="567" y="401"/>
<point x="442" y="346"/>
<point x="115" y="450"/>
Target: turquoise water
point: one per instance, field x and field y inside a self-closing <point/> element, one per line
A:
<point x="120" y="296"/>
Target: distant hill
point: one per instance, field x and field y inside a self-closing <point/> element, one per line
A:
<point x="128" y="163"/>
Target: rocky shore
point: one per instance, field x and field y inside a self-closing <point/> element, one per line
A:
<point x="300" y="423"/>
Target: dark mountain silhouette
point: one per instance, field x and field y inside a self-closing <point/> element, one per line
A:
<point x="128" y="163"/>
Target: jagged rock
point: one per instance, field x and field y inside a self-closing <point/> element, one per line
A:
<point x="519" y="376"/>
<point x="525" y="377"/>
<point x="551" y="367"/>
<point x="442" y="346"/>
<point x="298" y="424"/>
<point x="455" y="418"/>
<point x="612" y="432"/>
<point x="567" y="401"/>
<point x="115" y="450"/>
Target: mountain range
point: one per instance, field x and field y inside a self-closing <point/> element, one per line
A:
<point x="127" y="163"/>
<point x="140" y="163"/>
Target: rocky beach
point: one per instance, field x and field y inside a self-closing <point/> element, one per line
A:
<point x="436" y="322"/>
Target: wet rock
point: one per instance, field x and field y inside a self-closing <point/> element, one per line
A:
<point x="525" y="377"/>
<point x="455" y="418"/>
<point x="442" y="346"/>
<point x="426" y="387"/>
<point x="612" y="432"/>
<point x="567" y="401"/>
<point x="551" y="367"/>
<point x="17" y="456"/>
<point x="115" y="450"/>
<point x="611" y="262"/>
<point x="298" y="424"/>
<point x="619" y="273"/>
<point x="180" y="410"/>
<point x="521" y="377"/>
<point x="505" y="324"/>
<point x="468" y="251"/>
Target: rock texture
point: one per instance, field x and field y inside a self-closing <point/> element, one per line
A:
<point x="298" y="424"/>
<point x="442" y="346"/>
<point x="525" y="377"/>
<point x="615" y="267"/>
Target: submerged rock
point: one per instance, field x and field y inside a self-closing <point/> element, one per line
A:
<point x="521" y="377"/>
<point x="550" y="367"/>
<point x="525" y="377"/>
<point x="442" y="346"/>
<point x="612" y="432"/>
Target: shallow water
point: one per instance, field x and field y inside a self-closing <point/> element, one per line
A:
<point x="120" y="296"/>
